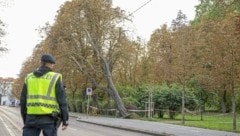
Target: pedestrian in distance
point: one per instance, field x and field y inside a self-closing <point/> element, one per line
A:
<point x="43" y="100"/>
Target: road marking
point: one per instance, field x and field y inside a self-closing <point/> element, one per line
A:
<point x="6" y="126"/>
<point x="14" y="124"/>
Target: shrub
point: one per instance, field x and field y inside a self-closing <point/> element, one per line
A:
<point x="170" y="98"/>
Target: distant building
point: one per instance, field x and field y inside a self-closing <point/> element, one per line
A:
<point x="4" y="100"/>
<point x="6" y="97"/>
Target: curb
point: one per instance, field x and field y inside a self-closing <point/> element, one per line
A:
<point x="126" y="128"/>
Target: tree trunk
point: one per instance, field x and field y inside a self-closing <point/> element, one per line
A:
<point x="113" y="91"/>
<point x="108" y="76"/>
<point x="114" y="94"/>
<point x="183" y="105"/>
<point x="234" y="109"/>
<point x="224" y="102"/>
<point x="234" y="113"/>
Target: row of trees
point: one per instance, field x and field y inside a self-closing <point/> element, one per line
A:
<point x="93" y="49"/>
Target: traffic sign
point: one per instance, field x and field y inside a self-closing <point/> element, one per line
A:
<point x="89" y="91"/>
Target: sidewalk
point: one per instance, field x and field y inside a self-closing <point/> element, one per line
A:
<point x="148" y="127"/>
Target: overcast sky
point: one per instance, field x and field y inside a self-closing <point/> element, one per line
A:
<point x="24" y="17"/>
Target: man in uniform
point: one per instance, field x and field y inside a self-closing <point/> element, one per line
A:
<point x="43" y="100"/>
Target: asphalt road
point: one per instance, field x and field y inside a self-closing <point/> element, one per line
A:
<point x="105" y="126"/>
<point x="13" y="121"/>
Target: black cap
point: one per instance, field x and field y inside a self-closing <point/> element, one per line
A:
<point x="48" y="58"/>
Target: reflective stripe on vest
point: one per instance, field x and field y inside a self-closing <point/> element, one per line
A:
<point x="41" y="97"/>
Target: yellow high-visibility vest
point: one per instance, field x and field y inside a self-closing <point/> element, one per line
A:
<point x="41" y="96"/>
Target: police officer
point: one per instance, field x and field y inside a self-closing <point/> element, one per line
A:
<point x="42" y="98"/>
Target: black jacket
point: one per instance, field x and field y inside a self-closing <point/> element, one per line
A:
<point x="43" y="119"/>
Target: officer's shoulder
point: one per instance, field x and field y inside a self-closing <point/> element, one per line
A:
<point x="58" y="75"/>
<point x="54" y="73"/>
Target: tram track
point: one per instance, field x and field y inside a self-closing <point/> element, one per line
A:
<point x="11" y="121"/>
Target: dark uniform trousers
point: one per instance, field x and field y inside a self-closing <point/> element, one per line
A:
<point x="35" y="124"/>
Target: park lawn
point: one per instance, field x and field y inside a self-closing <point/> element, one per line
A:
<point x="213" y="121"/>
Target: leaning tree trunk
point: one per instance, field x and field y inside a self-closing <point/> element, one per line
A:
<point x="108" y="76"/>
<point x="114" y="94"/>
<point x="112" y="89"/>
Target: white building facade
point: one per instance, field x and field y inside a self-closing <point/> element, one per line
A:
<point x="6" y="97"/>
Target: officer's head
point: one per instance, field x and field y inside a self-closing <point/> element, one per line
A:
<point x="47" y="60"/>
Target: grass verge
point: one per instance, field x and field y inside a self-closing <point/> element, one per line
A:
<point x="214" y="121"/>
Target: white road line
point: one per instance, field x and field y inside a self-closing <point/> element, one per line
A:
<point x="14" y="124"/>
<point x="6" y="126"/>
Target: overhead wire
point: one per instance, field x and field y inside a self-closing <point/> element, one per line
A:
<point x="139" y="8"/>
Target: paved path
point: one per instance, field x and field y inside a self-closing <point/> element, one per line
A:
<point x="154" y="128"/>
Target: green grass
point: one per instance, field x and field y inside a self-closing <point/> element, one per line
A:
<point x="213" y="121"/>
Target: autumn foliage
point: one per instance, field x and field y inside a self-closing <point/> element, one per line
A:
<point x="93" y="49"/>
